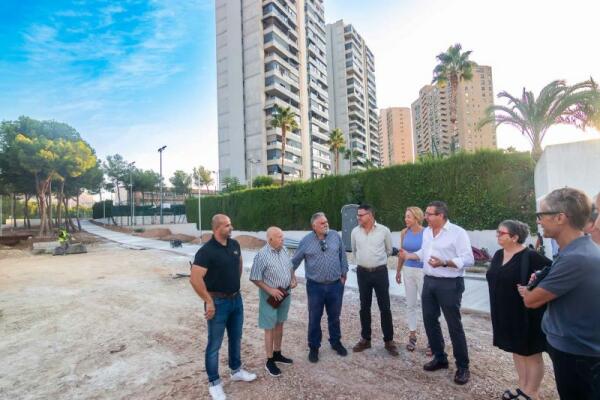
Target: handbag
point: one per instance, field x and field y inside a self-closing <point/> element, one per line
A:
<point x="273" y="302"/>
<point x="525" y="274"/>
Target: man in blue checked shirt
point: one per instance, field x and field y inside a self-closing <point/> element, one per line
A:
<point x="325" y="267"/>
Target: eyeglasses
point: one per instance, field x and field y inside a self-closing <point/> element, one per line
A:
<point x="323" y="245"/>
<point x="500" y="233"/>
<point x="361" y="215"/>
<point x="430" y="214"/>
<point x="539" y="215"/>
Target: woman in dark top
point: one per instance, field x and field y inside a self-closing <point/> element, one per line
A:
<point x="516" y="328"/>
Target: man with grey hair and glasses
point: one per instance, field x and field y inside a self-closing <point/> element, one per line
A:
<point x="325" y="266"/>
<point x="571" y="291"/>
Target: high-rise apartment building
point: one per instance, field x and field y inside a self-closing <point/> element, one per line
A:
<point x="432" y="128"/>
<point x="395" y="136"/>
<point x="352" y="94"/>
<point x="271" y="52"/>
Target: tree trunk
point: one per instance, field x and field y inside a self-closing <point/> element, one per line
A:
<point x="536" y="151"/>
<point x="42" y="188"/>
<point x="49" y="213"/>
<point x="119" y="201"/>
<point x="77" y="212"/>
<point x="453" y="110"/>
<point x="282" y="155"/>
<point x="13" y="210"/>
<point x="69" y="225"/>
<point x="26" y="222"/>
<point x="337" y="161"/>
<point x="60" y="197"/>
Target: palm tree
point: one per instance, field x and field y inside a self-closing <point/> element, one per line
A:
<point x="336" y="144"/>
<point x="352" y="155"/>
<point x="557" y="103"/>
<point x="453" y="67"/>
<point x="285" y="119"/>
<point x="369" y="164"/>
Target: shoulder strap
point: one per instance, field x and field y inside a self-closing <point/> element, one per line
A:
<point x="525" y="259"/>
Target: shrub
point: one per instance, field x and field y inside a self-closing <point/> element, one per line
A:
<point x="481" y="190"/>
<point x="261" y="181"/>
<point x="98" y="209"/>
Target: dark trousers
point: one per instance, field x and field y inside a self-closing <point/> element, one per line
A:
<point x="378" y="281"/>
<point x="444" y="294"/>
<point x="577" y="377"/>
<point x="328" y="296"/>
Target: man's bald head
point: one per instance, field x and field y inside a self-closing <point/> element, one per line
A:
<point x="217" y="220"/>
<point x="275" y="237"/>
<point x="221" y="226"/>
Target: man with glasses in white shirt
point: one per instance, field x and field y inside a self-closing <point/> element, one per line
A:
<point x="445" y="253"/>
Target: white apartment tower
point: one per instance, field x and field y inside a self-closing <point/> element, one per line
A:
<point x="352" y="94"/>
<point x="271" y="52"/>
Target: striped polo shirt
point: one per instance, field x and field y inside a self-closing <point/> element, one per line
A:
<point x="273" y="267"/>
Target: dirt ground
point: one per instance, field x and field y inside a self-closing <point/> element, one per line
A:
<point x="115" y="324"/>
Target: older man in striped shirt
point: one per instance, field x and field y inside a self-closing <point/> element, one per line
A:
<point x="273" y="273"/>
<point x="325" y="266"/>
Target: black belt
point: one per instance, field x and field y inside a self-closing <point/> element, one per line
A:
<point x="223" y="295"/>
<point x="443" y="277"/>
<point x="327" y="282"/>
<point x="378" y="268"/>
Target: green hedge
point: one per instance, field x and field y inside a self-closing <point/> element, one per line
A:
<point x="481" y="190"/>
<point x="125" y="210"/>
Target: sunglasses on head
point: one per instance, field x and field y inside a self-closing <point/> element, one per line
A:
<point x="323" y="244"/>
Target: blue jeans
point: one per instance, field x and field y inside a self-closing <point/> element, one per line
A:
<point x="229" y="314"/>
<point x="328" y="296"/>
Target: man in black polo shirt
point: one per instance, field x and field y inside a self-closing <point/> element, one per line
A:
<point x="215" y="277"/>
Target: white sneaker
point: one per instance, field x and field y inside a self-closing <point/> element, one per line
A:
<point x="243" y="375"/>
<point x="216" y="392"/>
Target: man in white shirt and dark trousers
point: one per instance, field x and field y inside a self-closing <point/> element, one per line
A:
<point x="445" y="253"/>
<point x="371" y="246"/>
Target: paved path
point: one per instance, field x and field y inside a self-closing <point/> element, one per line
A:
<point x="475" y="296"/>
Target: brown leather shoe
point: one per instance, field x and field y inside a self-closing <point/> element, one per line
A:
<point x="391" y="347"/>
<point x="362" y="345"/>
<point x="462" y="376"/>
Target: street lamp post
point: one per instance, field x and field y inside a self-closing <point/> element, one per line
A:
<point x="218" y="183"/>
<point x="161" y="184"/>
<point x="199" y="210"/>
<point x="252" y="161"/>
<point x="131" y="164"/>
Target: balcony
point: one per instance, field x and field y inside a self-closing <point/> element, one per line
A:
<point x="274" y="87"/>
<point x="285" y="76"/>
<point x="272" y="11"/>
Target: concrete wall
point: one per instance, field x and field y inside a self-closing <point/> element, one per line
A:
<point x="575" y="165"/>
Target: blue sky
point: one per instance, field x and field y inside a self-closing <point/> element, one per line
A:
<point x="129" y="76"/>
<point x="132" y="76"/>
